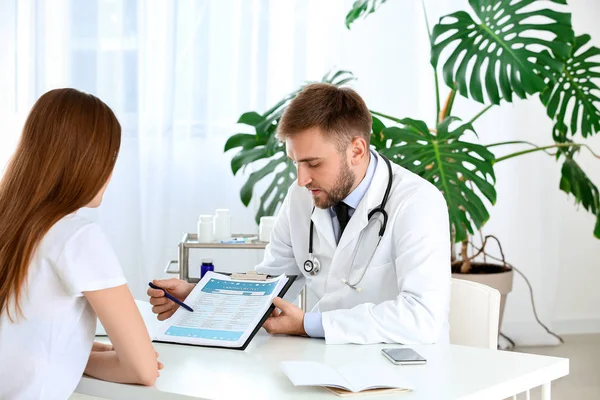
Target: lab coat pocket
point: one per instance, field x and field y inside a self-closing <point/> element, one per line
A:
<point x="373" y="272"/>
<point x="381" y="265"/>
<point x="379" y="283"/>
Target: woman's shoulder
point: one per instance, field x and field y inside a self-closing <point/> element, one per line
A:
<point x="67" y="229"/>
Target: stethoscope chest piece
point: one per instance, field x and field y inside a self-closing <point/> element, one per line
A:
<point x="312" y="266"/>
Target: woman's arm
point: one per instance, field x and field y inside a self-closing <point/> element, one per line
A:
<point x="97" y="346"/>
<point x="133" y="359"/>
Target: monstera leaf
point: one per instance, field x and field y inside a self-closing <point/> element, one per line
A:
<point x="574" y="89"/>
<point x="574" y="181"/>
<point x="263" y="148"/>
<point x="360" y="8"/>
<point x="505" y="45"/>
<point x="457" y="168"/>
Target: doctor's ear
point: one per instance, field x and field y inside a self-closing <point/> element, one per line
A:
<point x="359" y="149"/>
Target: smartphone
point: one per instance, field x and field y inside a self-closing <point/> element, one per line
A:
<point x="403" y="356"/>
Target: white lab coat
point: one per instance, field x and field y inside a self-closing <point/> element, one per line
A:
<point x="406" y="288"/>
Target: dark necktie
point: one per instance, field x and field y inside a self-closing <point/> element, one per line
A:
<point x="341" y="211"/>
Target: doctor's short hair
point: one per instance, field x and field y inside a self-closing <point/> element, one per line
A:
<point x="340" y="112"/>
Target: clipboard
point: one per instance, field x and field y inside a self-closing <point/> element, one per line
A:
<point x="291" y="279"/>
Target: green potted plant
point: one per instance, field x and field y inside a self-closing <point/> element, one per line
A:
<point x="501" y="50"/>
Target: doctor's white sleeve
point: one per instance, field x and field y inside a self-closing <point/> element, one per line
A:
<point x="419" y="314"/>
<point x="279" y="255"/>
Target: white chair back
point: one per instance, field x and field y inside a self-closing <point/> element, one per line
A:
<point x="474" y="314"/>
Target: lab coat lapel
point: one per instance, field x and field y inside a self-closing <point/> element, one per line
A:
<point x="323" y="226"/>
<point x="371" y="200"/>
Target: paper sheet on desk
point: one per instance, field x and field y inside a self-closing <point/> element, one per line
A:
<point x="226" y="311"/>
<point x="152" y="324"/>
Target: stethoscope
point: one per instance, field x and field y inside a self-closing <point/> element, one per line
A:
<point x="312" y="265"/>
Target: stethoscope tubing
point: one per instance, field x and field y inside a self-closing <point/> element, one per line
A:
<point x="312" y="265"/>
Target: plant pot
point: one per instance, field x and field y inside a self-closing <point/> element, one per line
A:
<point x="500" y="277"/>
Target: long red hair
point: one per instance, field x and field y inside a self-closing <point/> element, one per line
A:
<point x="66" y="154"/>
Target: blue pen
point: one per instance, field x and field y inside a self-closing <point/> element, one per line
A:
<point x="170" y="297"/>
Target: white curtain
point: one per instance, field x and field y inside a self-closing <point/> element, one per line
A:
<point x="178" y="74"/>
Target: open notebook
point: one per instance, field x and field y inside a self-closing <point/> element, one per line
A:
<point x="227" y="313"/>
<point x="351" y="378"/>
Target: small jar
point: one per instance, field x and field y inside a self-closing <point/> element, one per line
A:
<point x="265" y="228"/>
<point x="222" y="225"/>
<point x="206" y="229"/>
<point x="207" y="265"/>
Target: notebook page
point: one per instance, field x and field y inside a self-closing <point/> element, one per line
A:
<point x="311" y="373"/>
<point x="363" y="377"/>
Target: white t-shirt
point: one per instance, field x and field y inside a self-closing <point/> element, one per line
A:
<point x="44" y="353"/>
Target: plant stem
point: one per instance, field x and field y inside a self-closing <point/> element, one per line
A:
<point x="537" y="148"/>
<point x="520" y="153"/>
<point x="435" y="76"/>
<point x="447" y="106"/>
<point x="465" y="268"/>
<point x="518" y="142"/>
<point x="511" y="142"/>
<point x="480" y="114"/>
<point x="426" y="19"/>
<point x="386" y="116"/>
<point x="452" y="245"/>
<point x="437" y="93"/>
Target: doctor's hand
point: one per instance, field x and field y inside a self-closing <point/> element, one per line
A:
<point x="161" y="305"/>
<point x="289" y="321"/>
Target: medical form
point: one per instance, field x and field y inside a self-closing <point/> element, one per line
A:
<point x="226" y="311"/>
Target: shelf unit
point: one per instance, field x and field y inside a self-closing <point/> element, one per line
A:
<point x="190" y="241"/>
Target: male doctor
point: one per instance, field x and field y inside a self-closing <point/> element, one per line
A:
<point x="369" y="238"/>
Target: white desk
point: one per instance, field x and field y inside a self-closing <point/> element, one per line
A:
<point x="452" y="372"/>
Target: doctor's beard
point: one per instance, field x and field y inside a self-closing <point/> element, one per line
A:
<point x="343" y="185"/>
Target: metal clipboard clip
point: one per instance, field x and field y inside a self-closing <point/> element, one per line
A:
<point x="249" y="276"/>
